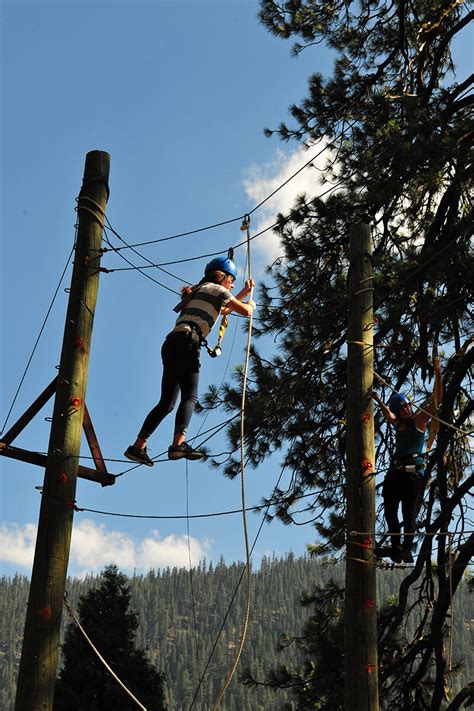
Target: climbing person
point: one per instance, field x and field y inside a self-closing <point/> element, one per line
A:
<point x="404" y="482"/>
<point x="198" y="310"/>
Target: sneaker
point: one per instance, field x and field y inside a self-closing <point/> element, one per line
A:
<point x="394" y="554"/>
<point x="407" y="556"/>
<point x="138" y="455"/>
<point x="184" y="451"/>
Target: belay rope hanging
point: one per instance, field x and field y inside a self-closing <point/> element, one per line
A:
<point x="245" y="228"/>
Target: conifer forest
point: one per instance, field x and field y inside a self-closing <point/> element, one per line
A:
<point x="288" y="608"/>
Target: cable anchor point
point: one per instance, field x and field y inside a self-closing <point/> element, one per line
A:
<point x="245" y="223"/>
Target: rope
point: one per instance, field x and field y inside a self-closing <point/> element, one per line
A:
<point x="434" y="425"/>
<point x="450" y="577"/>
<point x="433" y="417"/>
<point x="246" y="227"/>
<point x="96" y="651"/>
<point x="229" y="607"/>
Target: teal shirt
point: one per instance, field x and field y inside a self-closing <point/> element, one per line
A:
<point x="409" y="441"/>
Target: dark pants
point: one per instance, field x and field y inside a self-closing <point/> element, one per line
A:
<point x="180" y="354"/>
<point x="405" y="488"/>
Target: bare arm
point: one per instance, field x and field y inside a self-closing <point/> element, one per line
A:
<point x="236" y="304"/>
<point x="387" y="413"/>
<point x="244" y="309"/>
<point x="422" y="418"/>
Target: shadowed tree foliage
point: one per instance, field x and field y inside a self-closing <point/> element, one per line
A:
<point x="396" y="122"/>
<point x="84" y="684"/>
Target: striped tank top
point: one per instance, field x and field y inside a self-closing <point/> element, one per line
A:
<point x="204" y="306"/>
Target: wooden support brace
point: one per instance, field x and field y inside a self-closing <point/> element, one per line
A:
<point x="93" y="442"/>
<point x="28" y="415"/>
<point x="99" y="474"/>
<point x="23" y="455"/>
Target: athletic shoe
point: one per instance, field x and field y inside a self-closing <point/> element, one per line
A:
<point x="135" y="454"/>
<point x="184" y="451"/>
<point x="394" y="554"/>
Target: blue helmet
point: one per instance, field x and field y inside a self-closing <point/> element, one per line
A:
<point x="396" y="401"/>
<point x="222" y="264"/>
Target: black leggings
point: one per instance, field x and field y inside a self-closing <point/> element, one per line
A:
<point x="180" y="354"/>
<point x="403" y="488"/>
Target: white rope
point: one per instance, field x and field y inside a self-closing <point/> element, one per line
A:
<point x="88" y="640"/>
<point x="243" y="634"/>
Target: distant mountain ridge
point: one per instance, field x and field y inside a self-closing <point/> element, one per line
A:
<point x="179" y="636"/>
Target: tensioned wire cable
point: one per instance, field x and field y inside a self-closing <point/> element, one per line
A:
<point x="256" y="507"/>
<point x="38" y="339"/>
<point x="139" y="268"/>
<point x="139" y="254"/>
<point x="281" y="222"/>
<point x="288" y="217"/>
<point x="328" y="145"/>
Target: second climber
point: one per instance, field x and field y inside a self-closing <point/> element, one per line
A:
<point x="404" y="482"/>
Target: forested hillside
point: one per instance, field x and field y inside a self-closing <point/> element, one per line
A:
<point x="179" y="636"/>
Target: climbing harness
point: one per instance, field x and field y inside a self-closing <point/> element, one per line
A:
<point x="217" y="350"/>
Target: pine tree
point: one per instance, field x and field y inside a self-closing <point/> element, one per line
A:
<point x="84" y="684"/>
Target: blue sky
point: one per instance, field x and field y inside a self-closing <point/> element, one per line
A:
<point x="179" y="94"/>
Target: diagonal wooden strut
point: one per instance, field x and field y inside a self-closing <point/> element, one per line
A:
<point x="93" y="442"/>
<point x="28" y="415"/>
<point x="99" y="474"/>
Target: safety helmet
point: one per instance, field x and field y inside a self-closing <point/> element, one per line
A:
<point x="396" y="401"/>
<point x="222" y="264"/>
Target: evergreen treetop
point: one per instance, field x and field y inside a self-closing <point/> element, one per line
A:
<point x="84" y="683"/>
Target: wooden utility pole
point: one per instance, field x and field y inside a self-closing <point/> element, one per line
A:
<point x="360" y="621"/>
<point x="39" y="656"/>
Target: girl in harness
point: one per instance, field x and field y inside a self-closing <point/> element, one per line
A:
<point x="198" y="310"/>
<point x="404" y="482"/>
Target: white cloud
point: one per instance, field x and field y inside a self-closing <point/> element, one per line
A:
<point x="170" y="551"/>
<point x="17" y="544"/>
<point x="262" y="180"/>
<point x="93" y="546"/>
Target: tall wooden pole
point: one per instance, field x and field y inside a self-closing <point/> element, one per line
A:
<point x="360" y="623"/>
<point x="39" y="656"/>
